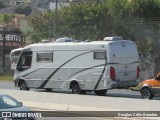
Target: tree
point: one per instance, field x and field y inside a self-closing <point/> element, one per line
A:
<point x="7" y="18"/>
<point x="91" y="20"/>
<point x="144" y="8"/>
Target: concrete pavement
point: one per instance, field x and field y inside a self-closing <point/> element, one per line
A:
<point x="62" y="107"/>
<point x="46" y="101"/>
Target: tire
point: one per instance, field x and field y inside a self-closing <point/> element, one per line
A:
<point x="100" y="92"/>
<point x="48" y="89"/>
<point x="146" y="93"/>
<point x="76" y="89"/>
<point x="23" y="86"/>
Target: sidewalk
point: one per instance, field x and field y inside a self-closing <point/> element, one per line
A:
<point x="40" y="106"/>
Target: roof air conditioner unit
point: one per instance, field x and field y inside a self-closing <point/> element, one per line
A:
<point x="64" y="39"/>
<point x="113" y="38"/>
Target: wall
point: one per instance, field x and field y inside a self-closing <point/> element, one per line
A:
<point x="52" y="5"/>
<point x="7" y="65"/>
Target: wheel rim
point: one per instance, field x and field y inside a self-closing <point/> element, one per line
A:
<point x="76" y="89"/>
<point x="23" y="86"/>
<point x="146" y="93"/>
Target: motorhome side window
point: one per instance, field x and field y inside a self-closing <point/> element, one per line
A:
<point x="44" y="56"/>
<point x="99" y="55"/>
<point x="24" y="61"/>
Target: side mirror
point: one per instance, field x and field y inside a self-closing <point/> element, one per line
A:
<point x="156" y="78"/>
<point x="21" y="103"/>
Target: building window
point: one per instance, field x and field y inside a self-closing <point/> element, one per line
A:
<point x="99" y="55"/>
<point x="44" y="56"/>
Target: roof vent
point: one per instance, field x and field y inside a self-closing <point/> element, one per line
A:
<point x="87" y="40"/>
<point x="64" y="39"/>
<point x="45" y="41"/>
<point x="113" y="38"/>
<point x="76" y="41"/>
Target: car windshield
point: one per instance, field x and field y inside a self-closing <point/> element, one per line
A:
<point x="8" y="102"/>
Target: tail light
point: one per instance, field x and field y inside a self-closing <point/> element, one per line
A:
<point x="138" y="72"/>
<point x="112" y="73"/>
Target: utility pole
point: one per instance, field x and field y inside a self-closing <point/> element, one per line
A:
<point x="56" y="6"/>
<point x="56" y="9"/>
<point x="4" y="49"/>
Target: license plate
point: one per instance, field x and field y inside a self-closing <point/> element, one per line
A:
<point x="125" y="73"/>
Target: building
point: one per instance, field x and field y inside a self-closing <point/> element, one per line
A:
<point x="63" y="3"/>
<point x="78" y="1"/>
<point x="17" y="20"/>
<point x="11" y="36"/>
<point x="60" y="4"/>
<point x="9" y="3"/>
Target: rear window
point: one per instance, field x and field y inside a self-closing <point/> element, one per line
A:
<point x="123" y="50"/>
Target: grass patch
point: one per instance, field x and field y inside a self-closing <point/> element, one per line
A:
<point x="6" y="78"/>
<point x="137" y="88"/>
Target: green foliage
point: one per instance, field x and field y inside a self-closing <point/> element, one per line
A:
<point x="23" y="10"/>
<point x="6" y="78"/>
<point x="7" y="18"/>
<point x="138" y="20"/>
<point x="117" y="8"/>
<point x="144" y="8"/>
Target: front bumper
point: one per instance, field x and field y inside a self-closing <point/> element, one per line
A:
<point x="16" y="83"/>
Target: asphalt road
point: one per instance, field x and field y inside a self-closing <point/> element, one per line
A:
<point x="122" y="93"/>
<point x="111" y="93"/>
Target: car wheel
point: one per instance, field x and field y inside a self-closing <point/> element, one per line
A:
<point x="100" y="92"/>
<point x="146" y="93"/>
<point x="23" y="86"/>
<point x="76" y="89"/>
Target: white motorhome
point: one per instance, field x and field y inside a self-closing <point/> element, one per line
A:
<point x="81" y="66"/>
<point x="14" y="56"/>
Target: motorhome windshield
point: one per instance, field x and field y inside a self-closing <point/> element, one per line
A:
<point x="24" y="61"/>
<point x="14" y="56"/>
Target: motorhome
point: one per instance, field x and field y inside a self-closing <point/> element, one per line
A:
<point x="80" y="66"/>
<point x="14" y="56"/>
